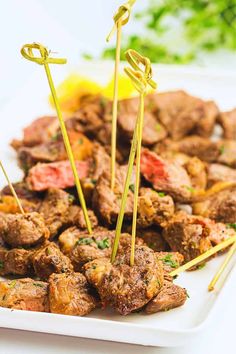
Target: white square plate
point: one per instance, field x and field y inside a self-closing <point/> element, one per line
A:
<point x="171" y="328"/>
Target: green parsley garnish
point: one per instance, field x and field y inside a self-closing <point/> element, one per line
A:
<point x="102" y="244"/>
<point x="80" y="141"/>
<point x="190" y="189"/>
<point x="187" y="294"/>
<point x="161" y="194"/>
<point x="1" y="264"/>
<point x="232" y="226"/>
<point x="131" y="187"/>
<point x="222" y="149"/>
<point x="71" y="198"/>
<point x="38" y="284"/>
<point x="85" y="241"/>
<point x="12" y="284"/>
<point x="55" y="137"/>
<point x="168" y="260"/>
<point x="158" y="128"/>
<point x="200" y="266"/>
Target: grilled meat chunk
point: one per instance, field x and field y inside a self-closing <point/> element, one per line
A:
<point x="193" y="235"/>
<point x="20" y="230"/>
<point x="123" y="287"/>
<point x="54" y="150"/>
<point x="55" y="208"/>
<point x="75" y="217"/>
<point x="228" y="122"/>
<point x="24" y="294"/>
<point x="22" y="191"/>
<point x="153" y="208"/>
<point x="36" y="133"/>
<point x="16" y="261"/>
<point x="165" y="176"/>
<point x="55" y="175"/>
<point x="220" y="173"/>
<point x="70" y="294"/>
<point x="106" y="202"/>
<point x="153" y="131"/>
<point x="227" y="152"/>
<point x="220" y="206"/>
<point x="203" y="148"/>
<point x="49" y="259"/>
<point x="153" y="238"/>
<point x="169" y="297"/>
<point x="99" y="245"/>
<point x="182" y="114"/>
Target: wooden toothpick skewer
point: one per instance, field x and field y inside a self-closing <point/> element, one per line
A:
<point x="120" y="18"/>
<point x="228" y="257"/>
<point x="12" y="189"/>
<point x="140" y="79"/>
<point x="45" y="60"/>
<point x="204" y="256"/>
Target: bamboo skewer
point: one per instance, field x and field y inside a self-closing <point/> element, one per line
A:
<point x="228" y="257"/>
<point x="27" y="52"/>
<point x="204" y="256"/>
<point x="140" y="81"/>
<point x="12" y="189"/>
<point x="120" y="18"/>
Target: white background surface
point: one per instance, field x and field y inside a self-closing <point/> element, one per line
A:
<point x="64" y="26"/>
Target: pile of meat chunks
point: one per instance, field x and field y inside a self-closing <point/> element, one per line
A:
<point x="51" y="261"/>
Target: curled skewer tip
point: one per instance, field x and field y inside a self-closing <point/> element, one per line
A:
<point x="27" y="52"/>
<point x="121" y="17"/>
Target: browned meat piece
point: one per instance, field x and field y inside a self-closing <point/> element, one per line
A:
<point x="153" y="131"/>
<point x="89" y="118"/>
<point x="182" y="114"/>
<point x="227" y="152"/>
<point x="24" y="294"/>
<point x="196" y="170"/>
<point x="16" y="261"/>
<point x="99" y="245"/>
<point x="68" y="239"/>
<point x="220" y="173"/>
<point x="220" y="207"/>
<point x="153" y="238"/>
<point x="54" y="150"/>
<point x="170" y="260"/>
<point x="106" y="203"/>
<point x="36" y="133"/>
<point x="153" y="207"/>
<point x="20" y="230"/>
<point x="75" y="217"/>
<point x="165" y="176"/>
<point x="55" y="208"/>
<point x="123" y="287"/>
<point x="169" y="297"/>
<point x="55" y="175"/>
<point x="70" y="294"/>
<point x="228" y="123"/>
<point x="22" y="191"/>
<point x="9" y="205"/>
<point x="203" y="148"/>
<point x="193" y="235"/>
<point x="49" y="259"/>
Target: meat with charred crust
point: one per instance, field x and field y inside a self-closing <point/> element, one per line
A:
<point x="24" y="294"/>
<point x="20" y="230"/>
<point x="106" y="202"/>
<point x="49" y="259"/>
<point x="228" y="122"/>
<point x="70" y="294"/>
<point x="165" y="176"/>
<point x="220" y="206"/>
<point x="95" y="246"/>
<point x="193" y="235"/>
<point x="123" y="287"/>
<point x="153" y="208"/>
<point x="169" y="297"/>
<point x="16" y="261"/>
